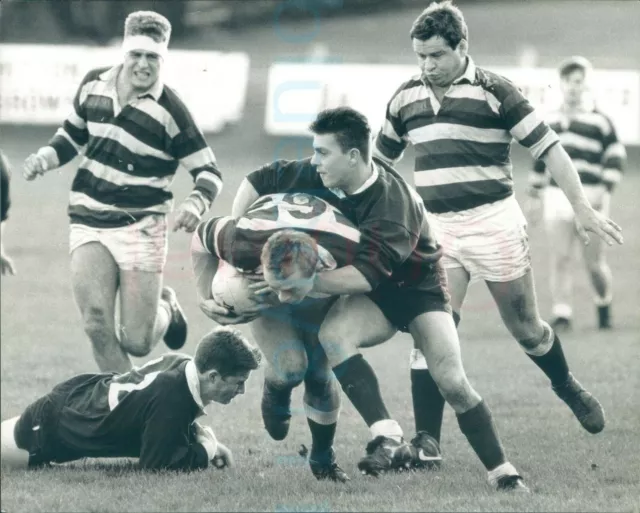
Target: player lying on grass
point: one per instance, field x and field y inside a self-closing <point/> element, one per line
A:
<point x="461" y="120"/>
<point x="289" y="237"/>
<point x="590" y="139"/>
<point x="395" y="282"/>
<point x="147" y="413"/>
<point x="132" y="132"/>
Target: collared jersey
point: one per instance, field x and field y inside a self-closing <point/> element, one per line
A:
<point x="240" y="241"/>
<point x="147" y="413"/>
<point x="590" y="139"/>
<point x="396" y="242"/>
<point x="130" y="153"/>
<point x="462" y="145"/>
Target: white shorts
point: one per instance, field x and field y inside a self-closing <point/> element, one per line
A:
<point x="142" y="246"/>
<point x="490" y="241"/>
<point x="558" y="208"/>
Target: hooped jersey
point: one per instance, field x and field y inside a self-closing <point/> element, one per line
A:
<point x="240" y="241"/>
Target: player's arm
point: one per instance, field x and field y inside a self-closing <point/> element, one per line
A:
<point x="245" y="197"/>
<point x="614" y="158"/>
<point x="383" y="247"/>
<point x="193" y="152"/>
<point x="391" y="141"/>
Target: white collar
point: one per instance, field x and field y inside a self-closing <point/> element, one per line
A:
<point x="193" y="382"/>
<point x="369" y="182"/>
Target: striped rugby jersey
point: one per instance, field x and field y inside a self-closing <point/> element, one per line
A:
<point x="131" y="154"/>
<point x="590" y="139"/>
<point x="240" y="241"/>
<point x="462" y="146"/>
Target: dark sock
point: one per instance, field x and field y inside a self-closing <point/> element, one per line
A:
<point x="360" y="384"/>
<point x="553" y="363"/>
<point x="477" y="425"/>
<point x="604" y="318"/>
<point x="428" y="403"/>
<point x="321" y="439"/>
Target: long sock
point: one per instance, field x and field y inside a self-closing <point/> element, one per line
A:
<point x="552" y="361"/>
<point x="360" y="384"/>
<point x="477" y="425"/>
<point x="322" y="437"/>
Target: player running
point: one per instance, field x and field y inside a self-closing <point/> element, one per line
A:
<point x="133" y="132"/>
<point x="590" y="139"/>
<point x="147" y="413"/>
<point x="461" y="120"/>
<point x="287" y="239"/>
<point x="394" y="283"/>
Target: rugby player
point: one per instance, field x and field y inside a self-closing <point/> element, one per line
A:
<point x="461" y="120"/>
<point x="134" y="132"/>
<point x="287" y="239"/>
<point x="148" y="413"/>
<point x="590" y="139"/>
<point x="6" y="263"/>
<point x="394" y="283"/>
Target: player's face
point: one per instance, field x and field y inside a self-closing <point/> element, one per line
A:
<point x="291" y="290"/>
<point x="573" y="87"/>
<point x="142" y="69"/>
<point x="331" y="163"/>
<point x="222" y="389"/>
<point x="440" y="64"/>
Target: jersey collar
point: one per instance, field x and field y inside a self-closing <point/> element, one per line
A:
<point x="469" y="74"/>
<point x="193" y="383"/>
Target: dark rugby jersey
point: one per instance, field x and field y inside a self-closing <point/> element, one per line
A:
<point x="396" y="241"/>
<point x="590" y="139"/>
<point x="130" y="154"/>
<point x="145" y="413"/>
<point x="5" y="177"/>
<point x="240" y="241"/>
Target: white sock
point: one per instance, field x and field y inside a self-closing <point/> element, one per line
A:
<point x="163" y="319"/>
<point x="387" y="427"/>
<point x="506" y="469"/>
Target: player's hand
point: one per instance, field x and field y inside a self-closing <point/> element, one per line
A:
<point x="223" y="457"/>
<point x="224" y="316"/>
<point x="590" y="220"/>
<point x="186" y="219"/>
<point x="260" y="288"/>
<point x="6" y="265"/>
<point x="34" y="165"/>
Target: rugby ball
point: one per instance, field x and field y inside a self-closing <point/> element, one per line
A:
<point x="230" y="288"/>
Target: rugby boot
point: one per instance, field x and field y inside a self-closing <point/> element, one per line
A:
<point x="176" y="334"/>
<point x="425" y="452"/>
<point x="584" y="406"/>
<point x="385" y="454"/>
<point x="325" y="468"/>
<point x="513" y="484"/>
<point x="276" y="411"/>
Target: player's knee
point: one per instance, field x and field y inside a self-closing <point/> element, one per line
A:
<point x="338" y="345"/>
<point x="289" y="371"/>
<point x="454" y="387"/>
<point x="524" y="322"/>
<point x="137" y="340"/>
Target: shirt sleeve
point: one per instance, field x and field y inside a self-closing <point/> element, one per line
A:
<point x="5" y="197"/>
<point x="614" y="158"/>
<point x="524" y="124"/>
<point x="73" y="135"/>
<point x="266" y="179"/>
<point x="167" y="439"/>
<point x="392" y="138"/>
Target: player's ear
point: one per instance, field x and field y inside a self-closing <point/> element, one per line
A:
<point x="463" y="47"/>
<point x="213" y="375"/>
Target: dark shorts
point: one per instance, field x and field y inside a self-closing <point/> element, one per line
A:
<point x="36" y="429"/>
<point x="401" y="303"/>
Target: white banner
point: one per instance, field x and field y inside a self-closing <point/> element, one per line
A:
<point x="297" y="92"/>
<point x="38" y="82"/>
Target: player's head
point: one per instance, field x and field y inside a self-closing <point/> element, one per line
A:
<point x="289" y="261"/>
<point x="145" y="45"/>
<point x="224" y="359"/>
<point x="440" y="41"/>
<point x="341" y="144"/>
<point x="574" y="73"/>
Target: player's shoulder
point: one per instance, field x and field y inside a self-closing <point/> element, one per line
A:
<point x="174" y="104"/>
<point x="393" y="188"/>
<point x="500" y="86"/>
<point x="414" y="82"/>
<point x="95" y="76"/>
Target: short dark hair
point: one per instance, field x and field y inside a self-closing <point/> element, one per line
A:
<point x="289" y="250"/>
<point x="441" y="19"/>
<point x="350" y="127"/>
<point x="227" y="351"/>
<point x="575" y="63"/>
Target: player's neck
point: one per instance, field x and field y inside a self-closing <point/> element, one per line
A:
<point x="362" y="173"/>
<point x="126" y="90"/>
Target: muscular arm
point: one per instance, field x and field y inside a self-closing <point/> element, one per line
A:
<point x="340" y="282"/>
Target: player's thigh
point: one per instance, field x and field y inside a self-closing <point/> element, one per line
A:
<point x="204" y="267"/>
<point x="353" y="322"/>
<point x="139" y="298"/>
<point x="282" y="345"/>
<point x="457" y="284"/>
<point x="518" y="306"/>
<point x="561" y="235"/>
<point x="94" y="276"/>
<point x="12" y="456"/>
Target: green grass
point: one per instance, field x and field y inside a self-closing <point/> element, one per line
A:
<point x="42" y="343"/>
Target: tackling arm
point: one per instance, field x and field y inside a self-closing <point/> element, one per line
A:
<point x="343" y="281"/>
